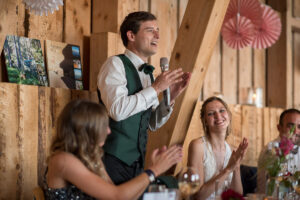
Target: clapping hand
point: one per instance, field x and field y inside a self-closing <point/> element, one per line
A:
<point x="162" y="159"/>
<point x="237" y="155"/>
<point x="178" y="87"/>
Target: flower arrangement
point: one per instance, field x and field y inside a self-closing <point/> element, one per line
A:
<point x="231" y="195"/>
<point x="274" y="162"/>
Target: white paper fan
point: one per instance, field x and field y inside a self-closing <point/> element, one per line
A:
<point x="39" y="7"/>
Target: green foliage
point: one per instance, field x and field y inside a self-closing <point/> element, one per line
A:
<point x="13" y="75"/>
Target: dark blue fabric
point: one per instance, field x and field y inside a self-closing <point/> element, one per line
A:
<point x="249" y="177"/>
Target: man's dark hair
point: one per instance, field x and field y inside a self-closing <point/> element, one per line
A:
<point x="291" y="110"/>
<point x="132" y="23"/>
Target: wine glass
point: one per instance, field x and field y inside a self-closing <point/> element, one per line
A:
<point x="188" y="182"/>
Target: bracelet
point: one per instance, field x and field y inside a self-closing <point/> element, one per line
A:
<point x="150" y="174"/>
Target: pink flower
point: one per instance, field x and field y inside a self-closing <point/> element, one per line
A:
<point x="286" y="145"/>
<point x="231" y="195"/>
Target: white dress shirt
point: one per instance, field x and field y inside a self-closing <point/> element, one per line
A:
<point x="114" y="93"/>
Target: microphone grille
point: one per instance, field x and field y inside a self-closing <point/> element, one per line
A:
<point x="164" y="61"/>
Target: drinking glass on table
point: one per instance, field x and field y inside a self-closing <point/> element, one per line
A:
<point x="188" y="182"/>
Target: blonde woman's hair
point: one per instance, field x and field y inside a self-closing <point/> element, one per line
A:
<point x="203" y="112"/>
<point x="82" y="126"/>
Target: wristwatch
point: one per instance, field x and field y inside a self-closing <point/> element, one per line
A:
<point x="150" y="174"/>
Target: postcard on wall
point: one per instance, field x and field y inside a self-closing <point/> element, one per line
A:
<point x="24" y="61"/>
<point x="64" y="65"/>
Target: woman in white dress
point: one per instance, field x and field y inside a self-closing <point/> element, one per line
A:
<point x="212" y="156"/>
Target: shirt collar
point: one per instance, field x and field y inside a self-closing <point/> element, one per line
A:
<point x="135" y="59"/>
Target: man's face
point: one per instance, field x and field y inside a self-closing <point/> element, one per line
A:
<point x="145" y="42"/>
<point x="289" y="120"/>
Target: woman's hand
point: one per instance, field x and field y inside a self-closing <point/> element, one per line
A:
<point x="237" y="156"/>
<point x="162" y="159"/>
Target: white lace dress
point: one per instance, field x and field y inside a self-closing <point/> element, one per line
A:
<point x="210" y="165"/>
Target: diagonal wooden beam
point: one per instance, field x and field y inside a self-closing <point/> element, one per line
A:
<point x="196" y="39"/>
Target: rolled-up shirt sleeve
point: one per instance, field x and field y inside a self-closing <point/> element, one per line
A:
<point x="160" y="116"/>
<point x="114" y="93"/>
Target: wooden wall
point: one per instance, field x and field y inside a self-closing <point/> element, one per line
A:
<point x="28" y="116"/>
<point x="28" y="113"/>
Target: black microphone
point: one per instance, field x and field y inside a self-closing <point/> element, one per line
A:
<point x="164" y="65"/>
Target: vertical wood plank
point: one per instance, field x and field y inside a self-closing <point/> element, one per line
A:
<point x="249" y="121"/>
<point x="259" y="133"/>
<point x="109" y="14"/>
<point x="166" y="13"/>
<point x="144" y="5"/>
<point x="259" y="69"/>
<point x="59" y="98"/>
<point x="105" y="16"/>
<point x="182" y="7"/>
<point x="45" y="131"/>
<point x="229" y="74"/>
<point x="77" y="29"/>
<point x="103" y="45"/>
<point x="266" y="126"/>
<point x="274" y="119"/>
<point x="296" y="69"/>
<point x="46" y="27"/>
<point x="77" y="21"/>
<point x="28" y="138"/>
<point x="235" y="137"/>
<point x="296" y="8"/>
<point x="9" y="17"/>
<point x="245" y="73"/>
<point x="279" y="93"/>
<point x="9" y="142"/>
<point x="212" y="81"/>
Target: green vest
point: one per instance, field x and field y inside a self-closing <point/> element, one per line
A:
<point x="128" y="138"/>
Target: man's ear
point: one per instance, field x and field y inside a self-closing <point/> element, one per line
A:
<point x="130" y="36"/>
<point x="279" y="127"/>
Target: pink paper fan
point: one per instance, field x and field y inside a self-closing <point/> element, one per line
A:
<point x="238" y="32"/>
<point x="247" y="8"/>
<point x="269" y="31"/>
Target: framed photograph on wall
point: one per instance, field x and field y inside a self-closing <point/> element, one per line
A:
<point x="24" y="61"/>
<point x="64" y="65"/>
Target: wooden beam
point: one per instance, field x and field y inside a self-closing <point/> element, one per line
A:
<point x="195" y="43"/>
<point x="196" y="40"/>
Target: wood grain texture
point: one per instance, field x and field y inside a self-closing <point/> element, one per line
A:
<point x="9" y="17"/>
<point x="109" y="14"/>
<point x="103" y="45"/>
<point x="28" y="139"/>
<point x="296" y="69"/>
<point x="166" y="14"/>
<point x="10" y="166"/>
<point x="196" y="39"/>
<point x="181" y="10"/>
<point x="77" y="30"/>
<point x="245" y="73"/>
<point x="144" y="5"/>
<point x="229" y="74"/>
<point x="212" y="81"/>
<point x="28" y="117"/>
<point x="296" y="8"/>
<point x="46" y="27"/>
<point x="259" y="70"/>
<point x="194" y="53"/>
<point x="194" y="131"/>
<point x="279" y="65"/>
